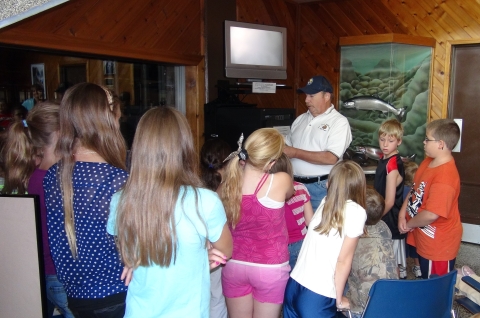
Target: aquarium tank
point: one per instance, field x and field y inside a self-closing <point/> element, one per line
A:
<point x="382" y="81"/>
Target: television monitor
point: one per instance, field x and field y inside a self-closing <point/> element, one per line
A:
<point x="255" y="51"/>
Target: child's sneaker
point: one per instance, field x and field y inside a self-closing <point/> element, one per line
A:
<point x="416" y="271"/>
<point x="402" y="271"/>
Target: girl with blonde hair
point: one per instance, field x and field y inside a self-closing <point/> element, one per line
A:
<point x="316" y="285"/>
<point x="78" y="190"/>
<point x="29" y="152"/>
<point x="164" y="219"/>
<point x="254" y="279"/>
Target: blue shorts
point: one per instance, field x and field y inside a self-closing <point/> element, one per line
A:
<point x="431" y="268"/>
<point x="302" y="302"/>
<point x="412" y="251"/>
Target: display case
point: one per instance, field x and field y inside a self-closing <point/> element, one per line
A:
<point x="381" y="77"/>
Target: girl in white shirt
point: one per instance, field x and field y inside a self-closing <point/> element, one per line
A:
<point x="316" y="285"/>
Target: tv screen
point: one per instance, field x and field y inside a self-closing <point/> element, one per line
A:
<point x="255" y="51"/>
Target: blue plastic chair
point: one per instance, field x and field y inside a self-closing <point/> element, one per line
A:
<point x="465" y="302"/>
<point x="426" y="298"/>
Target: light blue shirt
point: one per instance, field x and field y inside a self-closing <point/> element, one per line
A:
<point x="29" y="103"/>
<point x="183" y="288"/>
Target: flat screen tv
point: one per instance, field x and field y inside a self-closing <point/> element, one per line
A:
<point x="255" y="51"/>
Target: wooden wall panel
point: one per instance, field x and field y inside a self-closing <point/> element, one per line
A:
<point x="443" y="20"/>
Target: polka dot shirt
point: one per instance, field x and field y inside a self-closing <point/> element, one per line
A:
<point x="95" y="273"/>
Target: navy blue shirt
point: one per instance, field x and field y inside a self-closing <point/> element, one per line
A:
<point x="95" y="273"/>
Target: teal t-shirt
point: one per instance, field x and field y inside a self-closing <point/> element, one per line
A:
<point x="183" y="288"/>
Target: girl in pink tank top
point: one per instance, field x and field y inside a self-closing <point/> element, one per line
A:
<point x="256" y="276"/>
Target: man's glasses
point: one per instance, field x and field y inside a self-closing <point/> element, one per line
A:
<point x="427" y="140"/>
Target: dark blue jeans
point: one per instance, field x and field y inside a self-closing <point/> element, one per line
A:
<point x="294" y="250"/>
<point x="57" y="296"/>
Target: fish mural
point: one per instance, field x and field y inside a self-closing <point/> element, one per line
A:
<point x="382" y="81"/>
<point x="374" y="103"/>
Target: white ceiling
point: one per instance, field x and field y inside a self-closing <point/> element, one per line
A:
<point x="12" y="11"/>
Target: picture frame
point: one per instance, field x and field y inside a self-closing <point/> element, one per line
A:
<point x="38" y="76"/>
<point x="109" y="67"/>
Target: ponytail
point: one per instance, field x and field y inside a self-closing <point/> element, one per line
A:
<point x="231" y="195"/>
<point x="19" y="153"/>
<point x="24" y="144"/>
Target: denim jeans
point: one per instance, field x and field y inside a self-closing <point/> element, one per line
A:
<point x="57" y="296"/>
<point x="317" y="190"/>
<point x="294" y="250"/>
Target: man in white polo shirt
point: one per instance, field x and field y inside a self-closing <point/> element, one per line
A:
<point x="318" y="139"/>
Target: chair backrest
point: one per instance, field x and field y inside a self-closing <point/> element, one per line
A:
<point x="426" y="298"/>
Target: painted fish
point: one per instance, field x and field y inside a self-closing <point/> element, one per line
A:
<point x="375" y="153"/>
<point x="373" y="103"/>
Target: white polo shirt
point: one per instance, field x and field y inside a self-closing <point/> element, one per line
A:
<point x="329" y="131"/>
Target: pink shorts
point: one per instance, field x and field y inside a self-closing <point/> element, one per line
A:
<point x="266" y="284"/>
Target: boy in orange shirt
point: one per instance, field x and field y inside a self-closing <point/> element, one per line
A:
<point x="431" y="213"/>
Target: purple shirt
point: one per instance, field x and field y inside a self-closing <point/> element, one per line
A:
<point x="35" y="186"/>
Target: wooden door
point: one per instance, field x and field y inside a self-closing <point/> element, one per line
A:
<point x="464" y="103"/>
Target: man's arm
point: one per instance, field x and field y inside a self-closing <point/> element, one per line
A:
<point x="314" y="157"/>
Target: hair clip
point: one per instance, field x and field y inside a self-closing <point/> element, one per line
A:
<point x="109" y="97"/>
<point x="210" y="166"/>
<point x="236" y="153"/>
<point x="243" y="154"/>
<point x="24" y="123"/>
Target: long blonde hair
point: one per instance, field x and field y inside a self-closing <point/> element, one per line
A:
<point x="25" y="142"/>
<point x="163" y="161"/>
<point x="263" y="146"/>
<point x="88" y="117"/>
<point x="345" y="182"/>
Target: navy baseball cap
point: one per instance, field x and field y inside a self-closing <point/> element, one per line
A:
<point x="316" y="85"/>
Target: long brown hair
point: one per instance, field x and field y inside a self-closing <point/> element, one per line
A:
<point x="263" y="146"/>
<point x="89" y="117"/>
<point x="25" y="141"/>
<point x="345" y="182"/>
<point x="163" y="161"/>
